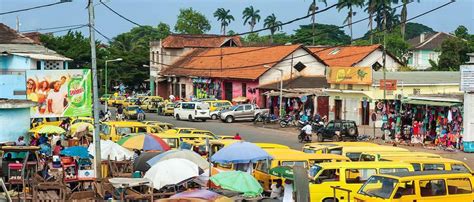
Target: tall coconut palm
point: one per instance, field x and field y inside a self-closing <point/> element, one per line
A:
<point x="371" y="9"/>
<point x="272" y="24"/>
<point x="251" y="16"/>
<point x="223" y="15"/>
<point x="404" y="15"/>
<point x="312" y="10"/>
<point x="349" y="4"/>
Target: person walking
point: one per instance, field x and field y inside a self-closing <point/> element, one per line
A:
<point x="140" y="114"/>
<point x="277" y="190"/>
<point x="119" y="113"/>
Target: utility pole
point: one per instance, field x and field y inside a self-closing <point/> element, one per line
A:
<point x="384" y="55"/>
<point x="95" y="89"/>
<point x="314" y="19"/>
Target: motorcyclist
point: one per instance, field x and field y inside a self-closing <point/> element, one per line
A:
<point x="306" y="132"/>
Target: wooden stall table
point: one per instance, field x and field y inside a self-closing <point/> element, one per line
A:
<point x="126" y="185"/>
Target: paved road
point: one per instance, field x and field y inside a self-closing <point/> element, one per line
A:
<point x="245" y="129"/>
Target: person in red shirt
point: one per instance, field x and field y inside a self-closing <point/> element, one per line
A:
<point x="57" y="149"/>
<point x="237" y="137"/>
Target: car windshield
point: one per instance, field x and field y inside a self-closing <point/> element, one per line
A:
<point x="314" y="170"/>
<point x="377" y="186"/>
<point x="234" y="107"/>
<point x="132" y="108"/>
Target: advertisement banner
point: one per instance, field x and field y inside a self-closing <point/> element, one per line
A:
<point x="388" y="84"/>
<point x="350" y="75"/>
<point x="60" y="93"/>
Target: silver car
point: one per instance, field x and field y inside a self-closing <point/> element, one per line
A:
<point x="241" y="112"/>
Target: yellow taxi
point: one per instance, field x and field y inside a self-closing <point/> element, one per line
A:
<point x="176" y="141"/>
<point x="281" y="157"/>
<point x="426" y="164"/>
<point x="178" y="130"/>
<point x="150" y="103"/>
<point x="114" y="130"/>
<point x="349" y="176"/>
<point x="430" y="186"/>
<point x="82" y="119"/>
<point x="116" y="100"/>
<point x="271" y="145"/>
<point x="325" y="147"/>
<point x="130" y="102"/>
<point x="354" y="152"/>
<point x="159" y="126"/>
<point x="130" y="112"/>
<point x="169" y="109"/>
<point x="377" y="156"/>
<point x="104" y="98"/>
<point x="216" y="105"/>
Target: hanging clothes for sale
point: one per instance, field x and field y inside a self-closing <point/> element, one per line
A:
<point x="450" y="116"/>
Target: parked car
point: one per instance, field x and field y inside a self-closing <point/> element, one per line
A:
<point x="217" y="105"/>
<point x="338" y="130"/>
<point x="241" y="112"/>
<point x="192" y="111"/>
<point x="104" y="98"/>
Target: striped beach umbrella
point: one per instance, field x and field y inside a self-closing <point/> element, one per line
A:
<point x="144" y="142"/>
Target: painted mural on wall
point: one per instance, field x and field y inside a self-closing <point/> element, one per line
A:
<point x="59" y="93"/>
<point x="350" y="75"/>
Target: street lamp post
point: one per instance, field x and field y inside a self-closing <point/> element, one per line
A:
<point x="106" y="80"/>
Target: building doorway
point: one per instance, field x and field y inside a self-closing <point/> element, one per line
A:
<point x="228" y="90"/>
<point x="323" y="106"/>
<point x="365" y="112"/>
<point x="337" y="109"/>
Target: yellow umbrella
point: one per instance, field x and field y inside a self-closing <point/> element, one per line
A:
<point x="47" y="129"/>
<point x="81" y="127"/>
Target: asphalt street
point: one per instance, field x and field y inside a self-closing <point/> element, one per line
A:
<point x="247" y="130"/>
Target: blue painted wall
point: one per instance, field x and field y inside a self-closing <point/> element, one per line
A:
<point x="10" y="83"/>
<point x="13" y="62"/>
<point x="14" y="123"/>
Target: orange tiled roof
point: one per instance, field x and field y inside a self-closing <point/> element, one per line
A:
<point x="343" y="56"/>
<point x="198" y="41"/>
<point x="246" y="63"/>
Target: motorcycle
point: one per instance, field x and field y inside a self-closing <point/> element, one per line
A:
<point x="317" y="126"/>
<point x="303" y="137"/>
<point x="288" y="120"/>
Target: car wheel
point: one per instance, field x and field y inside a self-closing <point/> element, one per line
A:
<point x="330" y="200"/>
<point x="336" y="138"/>
<point x="203" y="120"/>
<point x="177" y="117"/>
<point x="190" y="118"/>
<point x="229" y="119"/>
<point x="319" y="137"/>
<point x="214" y="117"/>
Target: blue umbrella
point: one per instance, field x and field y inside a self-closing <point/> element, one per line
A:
<point x="79" y="151"/>
<point x="240" y="152"/>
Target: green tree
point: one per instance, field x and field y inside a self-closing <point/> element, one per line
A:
<point x="272" y="24"/>
<point x="462" y="32"/>
<point x="312" y="10"/>
<point x="404" y="15"/>
<point x="415" y="29"/>
<point x="191" y="22"/>
<point x="371" y="8"/>
<point x="349" y="4"/>
<point x="133" y="47"/>
<point x="73" y="45"/>
<point x="223" y="15"/>
<point x="453" y="54"/>
<point x="251" y="16"/>
<point x="325" y="35"/>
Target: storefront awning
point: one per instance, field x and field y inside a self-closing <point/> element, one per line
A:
<point x="432" y="103"/>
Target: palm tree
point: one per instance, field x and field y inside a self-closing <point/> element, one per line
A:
<point x="223" y="15"/>
<point x="251" y="17"/>
<point x="404" y="16"/>
<point x="272" y="24"/>
<point x="349" y="4"/>
<point x="371" y="9"/>
<point x="312" y="9"/>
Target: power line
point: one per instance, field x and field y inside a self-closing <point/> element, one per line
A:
<point x="70" y="29"/>
<point x="120" y="15"/>
<point x="272" y="62"/>
<point x="51" y="28"/>
<point x="36" y="7"/>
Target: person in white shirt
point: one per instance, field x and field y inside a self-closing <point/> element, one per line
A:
<point x="277" y="190"/>
<point x="306" y="132"/>
<point x="56" y="99"/>
<point x="288" y="193"/>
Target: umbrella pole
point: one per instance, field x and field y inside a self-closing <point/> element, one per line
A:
<point x="208" y="145"/>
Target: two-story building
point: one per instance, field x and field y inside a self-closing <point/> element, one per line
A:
<point x="424" y="48"/>
<point x="165" y="52"/>
<point x="229" y="72"/>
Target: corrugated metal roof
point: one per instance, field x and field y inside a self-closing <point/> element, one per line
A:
<point x="32" y="50"/>
<point x="432" y="77"/>
<point x="43" y="56"/>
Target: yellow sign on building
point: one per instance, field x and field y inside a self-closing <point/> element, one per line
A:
<point x="350" y="75"/>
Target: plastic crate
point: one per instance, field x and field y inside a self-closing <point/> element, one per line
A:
<point x="468" y="147"/>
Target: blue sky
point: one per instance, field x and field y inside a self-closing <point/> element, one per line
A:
<point x="151" y="12"/>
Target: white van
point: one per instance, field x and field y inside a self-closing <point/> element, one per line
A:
<point x="192" y="111"/>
